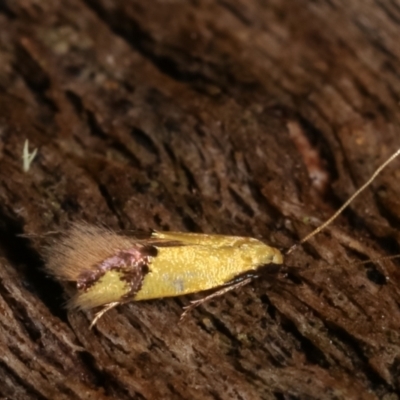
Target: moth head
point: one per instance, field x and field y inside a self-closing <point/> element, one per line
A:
<point x="258" y="253"/>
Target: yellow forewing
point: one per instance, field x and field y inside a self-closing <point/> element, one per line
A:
<point x="204" y="239"/>
<point x="109" y="288"/>
<point x="202" y="262"/>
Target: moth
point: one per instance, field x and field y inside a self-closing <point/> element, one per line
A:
<point x="110" y="269"/>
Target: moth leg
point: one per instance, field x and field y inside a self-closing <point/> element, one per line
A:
<point x="100" y="313"/>
<point x="220" y="292"/>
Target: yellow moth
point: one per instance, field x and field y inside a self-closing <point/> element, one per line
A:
<point x="110" y="269"/>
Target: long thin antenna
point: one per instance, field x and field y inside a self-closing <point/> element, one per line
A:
<point x="339" y="211"/>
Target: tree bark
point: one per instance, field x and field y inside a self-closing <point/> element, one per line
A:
<point x="237" y="117"/>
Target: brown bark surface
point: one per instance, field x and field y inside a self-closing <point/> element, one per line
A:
<point x="239" y="117"/>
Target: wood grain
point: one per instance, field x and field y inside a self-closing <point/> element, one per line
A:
<point x="239" y="117"/>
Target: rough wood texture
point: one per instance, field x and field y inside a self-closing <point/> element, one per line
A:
<point x="232" y="116"/>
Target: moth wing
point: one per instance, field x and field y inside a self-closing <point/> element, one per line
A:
<point x="202" y="239"/>
<point x="112" y="287"/>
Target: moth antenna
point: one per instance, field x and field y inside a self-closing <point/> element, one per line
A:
<point x="340" y="210"/>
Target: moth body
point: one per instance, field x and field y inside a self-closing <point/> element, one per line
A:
<point x="109" y="268"/>
<point x="202" y="262"/>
